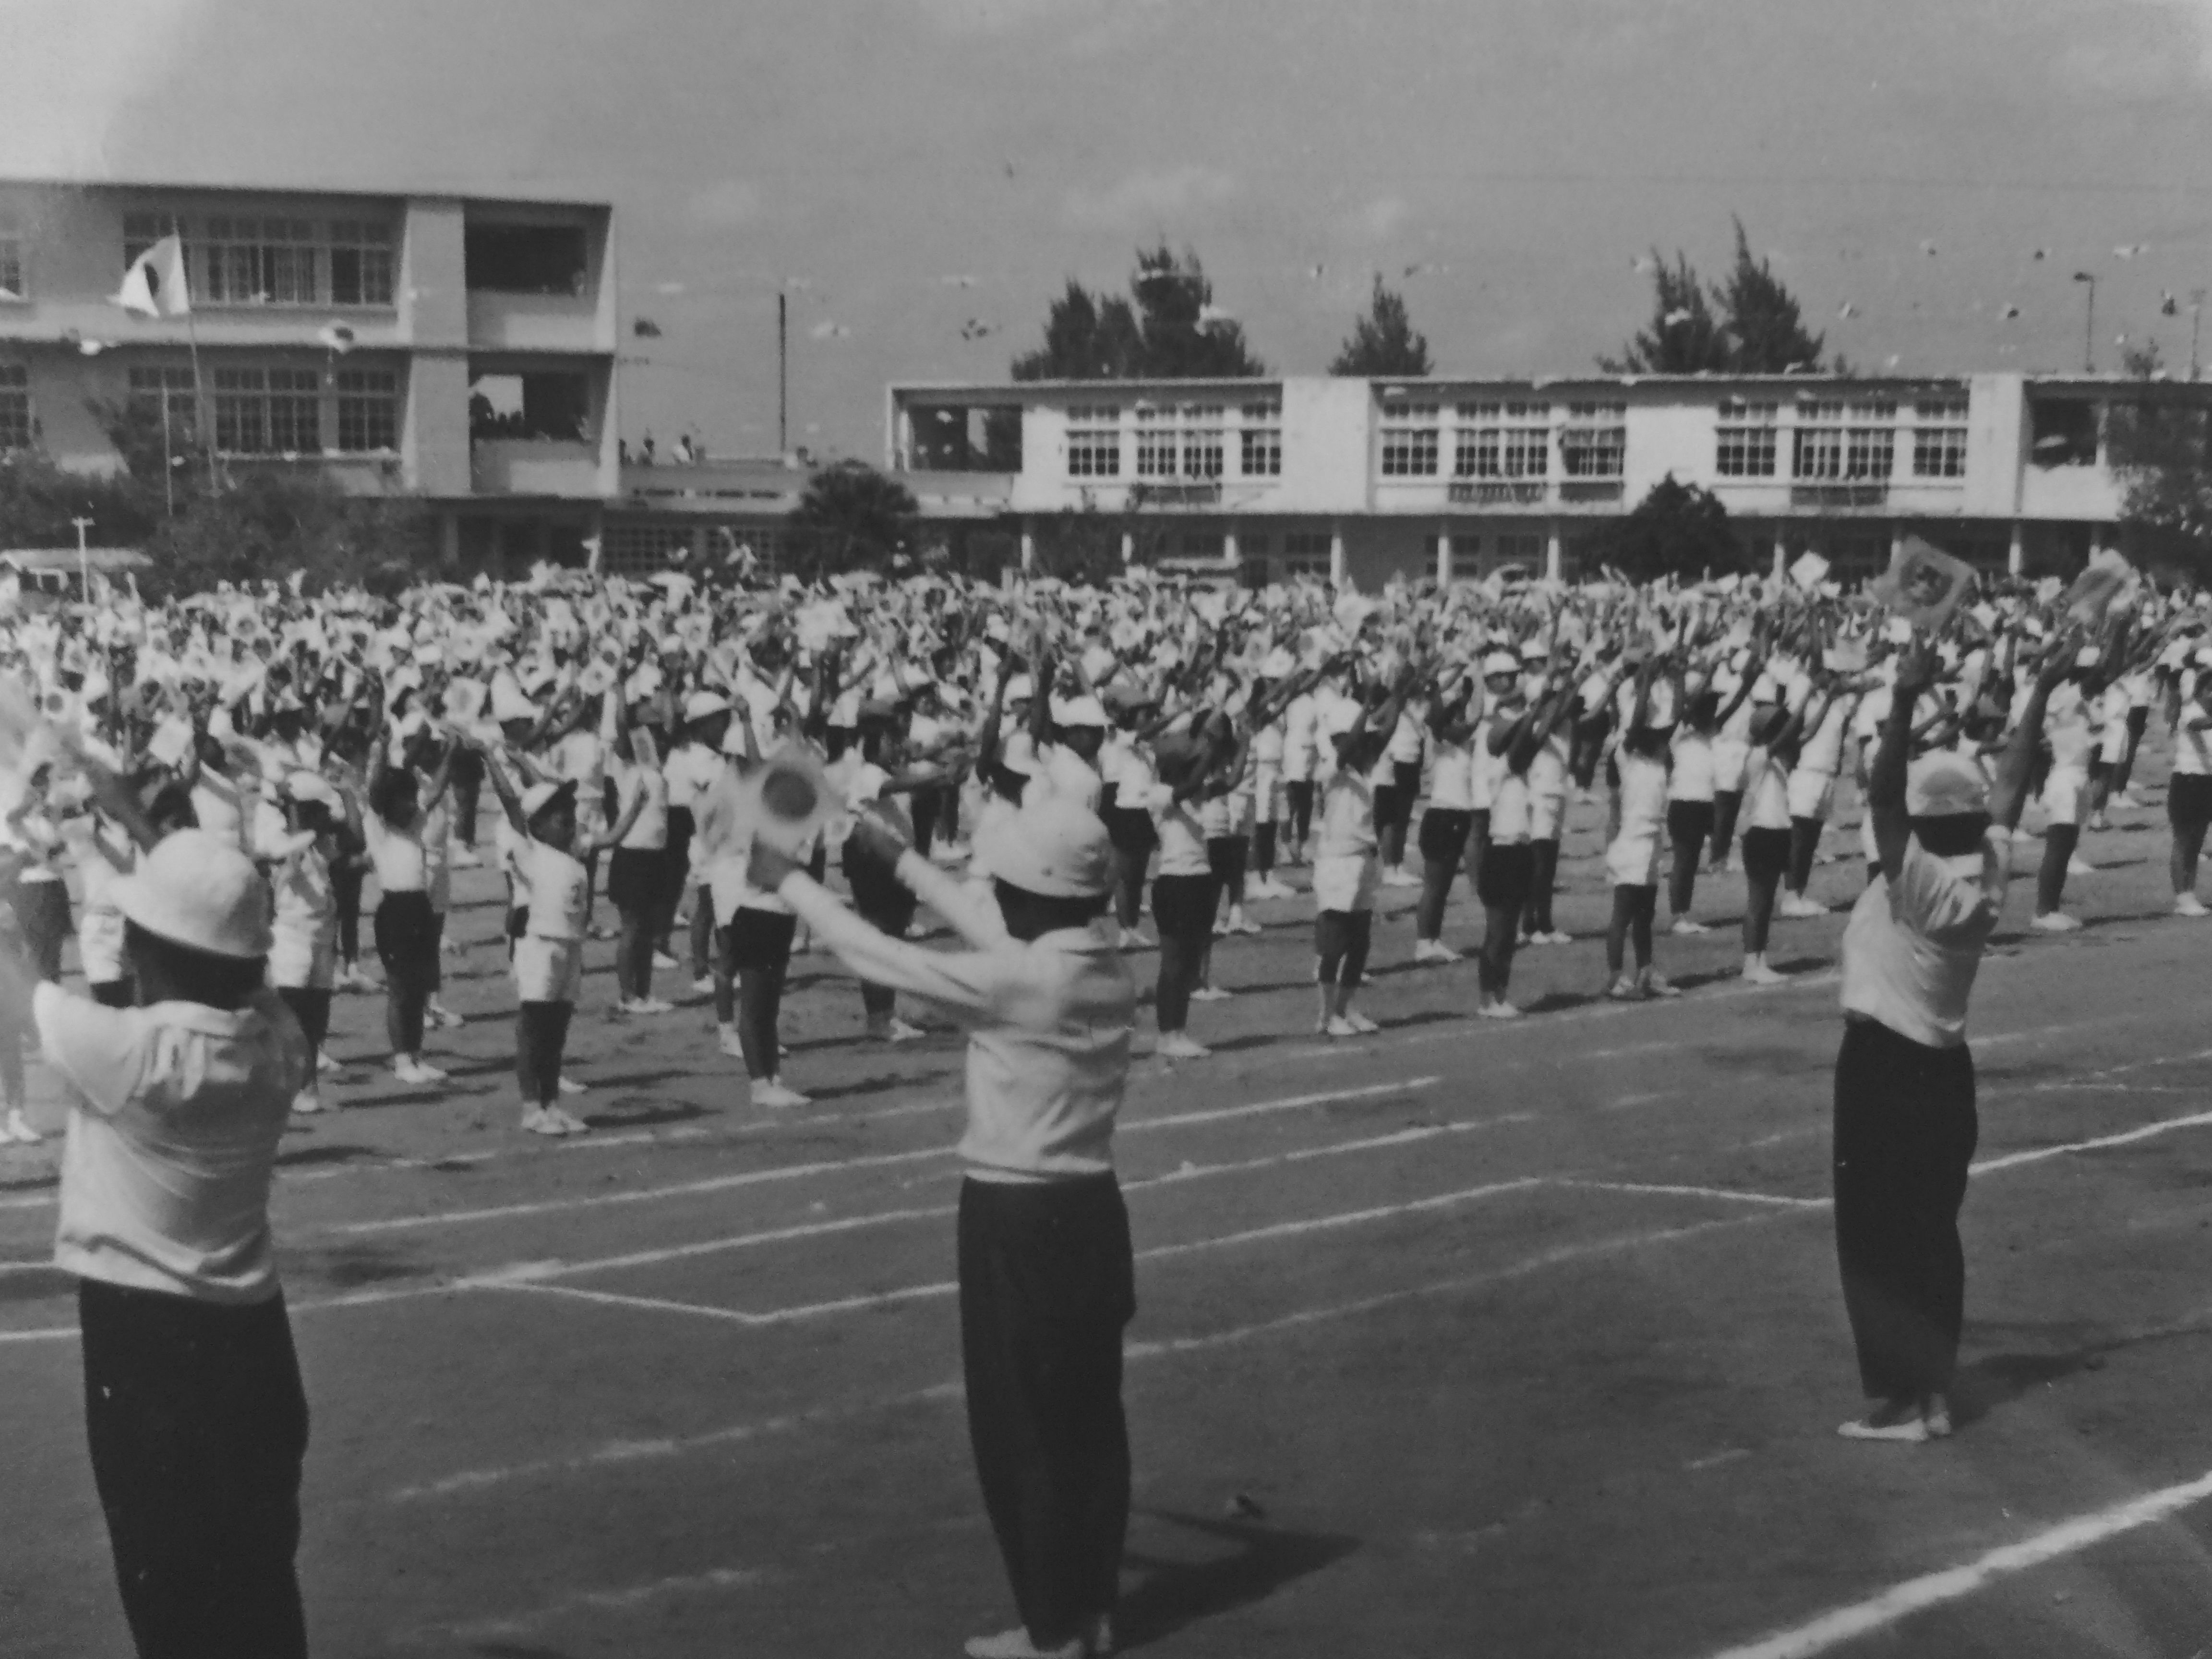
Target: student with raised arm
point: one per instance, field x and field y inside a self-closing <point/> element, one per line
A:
<point x="1905" y="1118"/>
<point x="1045" y="1264"/>
<point x="1518" y="733"/>
<point x="406" y="927"/>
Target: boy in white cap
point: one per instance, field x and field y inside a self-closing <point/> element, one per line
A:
<point x="197" y="1421"/>
<point x="1046" y="1270"/>
<point x="1904" y="1119"/>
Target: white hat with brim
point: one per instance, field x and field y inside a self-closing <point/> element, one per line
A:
<point x="1078" y="711"/>
<point x="705" y="705"/>
<point x="1945" y="786"/>
<point x="1500" y="662"/>
<point x="1057" y="848"/>
<point x="309" y="789"/>
<point x="198" y="890"/>
<point x="539" y="796"/>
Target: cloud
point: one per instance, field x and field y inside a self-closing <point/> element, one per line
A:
<point x="1141" y="201"/>
<point x="1379" y="220"/>
<point x="998" y="16"/>
<point x="726" y="205"/>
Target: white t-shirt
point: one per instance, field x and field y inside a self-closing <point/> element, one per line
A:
<point x="1912" y="948"/>
<point x="649" y="785"/>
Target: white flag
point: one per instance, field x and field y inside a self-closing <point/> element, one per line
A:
<point x="154" y="285"/>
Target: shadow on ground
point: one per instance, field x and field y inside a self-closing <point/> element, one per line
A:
<point x="1171" y="1594"/>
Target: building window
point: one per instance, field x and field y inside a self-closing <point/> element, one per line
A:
<point x="1260" y="440"/>
<point x="1502" y="440"/>
<point x="1835" y="440"/>
<point x="1744" y="443"/>
<point x="1593" y="443"/>
<point x="1411" y="440"/>
<point x="1094" y="441"/>
<point x="1939" y="437"/>
<point x="525" y="259"/>
<point x="243" y="262"/>
<point x="2062" y="432"/>
<point x="537" y="405"/>
<point x="154" y="387"/>
<point x="268" y="411"/>
<point x="1305" y="553"/>
<point x="1157" y="446"/>
<point x="360" y="262"/>
<point x="1202" y="440"/>
<point x="141" y="230"/>
<point x="15" y="406"/>
<point x="12" y="285"/>
<point x="368" y="411"/>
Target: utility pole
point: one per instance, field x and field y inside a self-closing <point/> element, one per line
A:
<point x="2196" y="319"/>
<point x="83" y="562"/>
<point x="2089" y="324"/>
<point x="782" y="373"/>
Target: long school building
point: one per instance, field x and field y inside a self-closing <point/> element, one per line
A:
<point x="1367" y="478"/>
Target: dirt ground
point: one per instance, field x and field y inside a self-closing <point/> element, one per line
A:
<point x="1460" y="1339"/>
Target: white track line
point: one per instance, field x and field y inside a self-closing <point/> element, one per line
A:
<point x="2035" y="1155"/>
<point x="540" y="1282"/>
<point x="624" y="1453"/>
<point x="1727" y="1192"/>
<point x="1846" y="1624"/>
<point x="713" y="1582"/>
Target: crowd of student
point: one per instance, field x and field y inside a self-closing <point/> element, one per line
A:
<point x="351" y="745"/>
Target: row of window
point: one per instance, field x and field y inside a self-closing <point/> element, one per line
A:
<point x="278" y="411"/>
<point x="257" y="259"/>
<point x="14" y="407"/>
<point x="1186" y="442"/>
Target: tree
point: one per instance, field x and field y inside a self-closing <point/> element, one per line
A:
<point x="267" y="524"/>
<point x="1081" y="548"/>
<point x="1684" y="337"/>
<point x="1767" y="333"/>
<point x="2158" y="437"/>
<point x="1677" y="530"/>
<point x="1383" y="343"/>
<point x="853" y="518"/>
<point x="1168" y="329"/>
<point x="37" y="500"/>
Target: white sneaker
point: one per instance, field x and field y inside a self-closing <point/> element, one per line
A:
<point x="899" y="1031"/>
<point x="1359" y="1022"/>
<point x="664" y="962"/>
<point x="1241" y="923"/>
<point x="651" y="1005"/>
<point x="1211" y="994"/>
<point x="2055" y="921"/>
<point x="1434" y="950"/>
<point x="2124" y="801"/>
<point x="2078" y="866"/>
<point x="1177" y="1045"/>
<point x="1500" y="1009"/>
<point x="425" y="1073"/>
<point x="1015" y="1644"/>
<point x="1401" y="879"/>
<point x="19" y="1130"/>
<point x="2100" y="822"/>
<point x="538" y="1121"/>
<point x="408" y="1070"/>
<point x="1685" y="927"/>
<point x="1557" y="936"/>
<point x="1339" y="1027"/>
<point x="2188" y="904"/>
<point x="703" y="986"/>
<point x="1798" y="906"/>
<point x="443" y="1017"/>
<point x="1658" y="985"/>
<point x="307" y="1101"/>
<point x="324" y="1065"/>
<point x="1756" y="972"/>
<point x="1132" y="939"/>
<point x="569" y="1085"/>
<point x="730" y="1043"/>
<point x="772" y="1094"/>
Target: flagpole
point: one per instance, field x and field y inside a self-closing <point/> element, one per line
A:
<point x="168" y="463"/>
<point x="199" y="396"/>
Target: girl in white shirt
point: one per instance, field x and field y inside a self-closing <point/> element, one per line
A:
<point x="1448" y="818"/>
<point x="2189" y="791"/>
<point x="1775" y="736"/>
<point x="1633" y="849"/>
<point x="405" y="924"/>
<point x="635" y="877"/>
<point x="1347" y="875"/>
<point x="1519" y="731"/>
<point x="303" y="947"/>
<point x="1693" y="788"/>
<point x="1186" y="892"/>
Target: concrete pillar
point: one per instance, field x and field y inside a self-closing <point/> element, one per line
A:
<point x="2016" y="554"/>
<point x="1443" y="559"/>
<point x="1029" y="548"/>
<point x="1128" y="547"/>
<point x="449" y="539"/>
<point x="1336" y="554"/>
<point x="1781" y="553"/>
<point x="1896" y="542"/>
<point x="1555" y="553"/>
<point x="1230" y="558"/>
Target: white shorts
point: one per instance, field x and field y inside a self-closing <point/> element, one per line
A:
<point x="1811" y="793"/>
<point x="2063" y="792"/>
<point x="1544" y="814"/>
<point x="547" y="970"/>
<point x="1730" y="759"/>
<point x="1633" y="861"/>
<point x="1344" y="881"/>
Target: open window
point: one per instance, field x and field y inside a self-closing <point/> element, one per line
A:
<point x="978" y="439"/>
<point x="549" y="405"/>
<point x="2063" y="432"/>
<point x="525" y="259"/>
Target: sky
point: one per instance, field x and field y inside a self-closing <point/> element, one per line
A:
<point x="919" y="177"/>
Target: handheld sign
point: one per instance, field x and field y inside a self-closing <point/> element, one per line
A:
<point x="1924" y="584"/>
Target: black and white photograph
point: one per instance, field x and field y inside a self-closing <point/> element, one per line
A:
<point x="1046" y="828"/>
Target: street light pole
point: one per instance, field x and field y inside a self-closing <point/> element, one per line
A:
<point x="83" y="563"/>
<point x="2196" y="321"/>
<point x="2089" y="324"/>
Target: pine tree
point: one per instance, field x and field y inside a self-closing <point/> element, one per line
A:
<point x="1167" y="329"/>
<point x="1383" y="343"/>
<point x="1684" y="337"/>
<point x="1767" y="333"/>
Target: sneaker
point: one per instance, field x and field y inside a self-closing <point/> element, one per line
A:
<point x="1898" y="1420"/>
<point x="1132" y="939"/>
<point x="1500" y="1009"/>
<point x="443" y="1018"/>
<point x="425" y="1073"/>
<point x="1434" y="950"/>
<point x="1624" y="989"/>
<point x="1211" y="994"/>
<point x="703" y="986"/>
<point x="2099" y="822"/>
<point x="18" y="1129"/>
<point x="1015" y="1644"/>
<point x="1359" y="1022"/>
<point x="899" y="1031"/>
<point x="569" y="1085"/>
<point x="538" y="1121"/>
<point x="1756" y="972"/>
<point x="1401" y="879"/>
<point x="2188" y="904"/>
<point x="1658" y="985"/>
<point x="1559" y="936"/>
<point x="1241" y="923"/>
<point x="665" y="963"/>
<point x="307" y="1101"/>
<point x="1798" y="906"/>
<point x="771" y="1094"/>
<point x="1176" y="1045"/>
<point x="603" y="933"/>
<point x="2125" y="802"/>
<point x="730" y="1043"/>
<point x="1339" y="1027"/>
<point x="651" y="1005"/>
<point x="324" y="1065"/>
<point x="408" y="1070"/>
<point x="2078" y="866"/>
<point x="1683" y="927"/>
<point x="2055" y="921"/>
<point x="567" y="1124"/>
<point x="1936" y="1415"/>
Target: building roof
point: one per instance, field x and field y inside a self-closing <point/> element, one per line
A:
<point x="106" y="560"/>
<point x="505" y="188"/>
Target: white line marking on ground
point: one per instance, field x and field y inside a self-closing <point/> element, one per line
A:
<point x="622" y="1452"/>
<point x="1900" y="1602"/>
<point x="1658" y="1190"/>
<point x="2035" y="1155"/>
<point x="714" y="1581"/>
<point x="1626" y="1101"/>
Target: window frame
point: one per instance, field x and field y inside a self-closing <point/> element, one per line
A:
<point x="1504" y="439"/>
<point x="366" y="408"/>
<point x="1593" y="434"/>
<point x="1940" y="437"/>
<point x="1750" y="428"/>
<point x="1410" y="442"/>
<point x="1094" y="441"/>
<point x="18" y="415"/>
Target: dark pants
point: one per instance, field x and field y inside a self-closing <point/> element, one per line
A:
<point x="1046" y="1285"/>
<point x="1342" y="941"/>
<point x="1905" y="1132"/>
<point x="1688" y="823"/>
<point x="2138" y="723"/>
<point x="311" y="1006"/>
<point x="197" y="1426"/>
<point x="1727" y="804"/>
<point x="1804" y="843"/>
<point x="1543" y="878"/>
<point x="407" y="943"/>
<point x="1263" y="848"/>
<point x="1183" y="906"/>
<point x="541" y="1036"/>
<point x="345" y="893"/>
<point x="468" y="777"/>
<point x="1299" y="803"/>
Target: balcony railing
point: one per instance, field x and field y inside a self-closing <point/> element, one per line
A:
<point x="1498" y="492"/>
<point x="1862" y="493"/>
<point x="1148" y="493"/>
<point x="1590" y="489"/>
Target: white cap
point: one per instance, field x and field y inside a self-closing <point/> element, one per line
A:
<point x="539" y="796"/>
<point x="705" y="705"/>
<point x="1945" y="784"/>
<point x="1056" y="848"/>
<point x="1535" y="651"/>
<point x="508" y="702"/>
<point x="1279" y="664"/>
<point x="2087" y="657"/>
<point x="306" y="787"/>
<point x="197" y="889"/>
<point x="1078" y="711"/>
<point x="1020" y="689"/>
<point x="1500" y="662"/>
